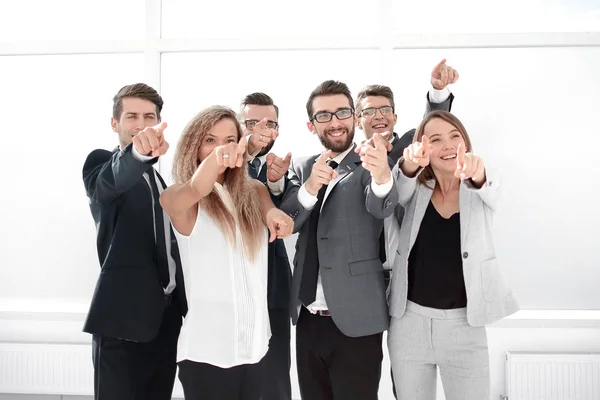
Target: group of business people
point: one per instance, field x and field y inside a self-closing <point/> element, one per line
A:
<point x="196" y="275"/>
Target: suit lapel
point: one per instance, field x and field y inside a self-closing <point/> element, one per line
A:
<point x="423" y="194"/>
<point x="348" y="164"/>
<point x="464" y="206"/>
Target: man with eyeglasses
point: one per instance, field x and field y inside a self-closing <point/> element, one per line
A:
<point x="258" y="116"/>
<point x="375" y="110"/>
<point x="338" y="200"/>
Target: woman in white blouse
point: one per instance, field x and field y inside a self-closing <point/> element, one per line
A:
<point x="219" y="215"/>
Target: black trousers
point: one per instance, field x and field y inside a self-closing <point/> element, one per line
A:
<point x="202" y="381"/>
<point x="275" y="381"/>
<point x="125" y="370"/>
<point x="333" y="366"/>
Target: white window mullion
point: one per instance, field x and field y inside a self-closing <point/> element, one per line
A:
<point x="152" y="48"/>
<point x="386" y="43"/>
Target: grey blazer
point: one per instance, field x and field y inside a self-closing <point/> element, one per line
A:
<point x="488" y="296"/>
<point x="348" y="233"/>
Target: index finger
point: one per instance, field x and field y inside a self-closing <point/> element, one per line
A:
<point x="262" y="123"/>
<point x="160" y="128"/>
<point x="425" y="143"/>
<point x="439" y="66"/>
<point x="379" y="141"/>
<point x="460" y="155"/>
<point x="272" y="234"/>
<point x="243" y="141"/>
<point x="444" y="74"/>
<point x="323" y="157"/>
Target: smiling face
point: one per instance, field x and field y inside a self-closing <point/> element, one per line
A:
<point x="256" y="113"/>
<point x="336" y="135"/>
<point x="136" y="115"/>
<point x="223" y="132"/>
<point x="377" y="122"/>
<point x="444" y="139"/>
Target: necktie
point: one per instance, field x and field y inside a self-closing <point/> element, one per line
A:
<point x="159" y="228"/>
<point x="310" y="272"/>
<point x="253" y="168"/>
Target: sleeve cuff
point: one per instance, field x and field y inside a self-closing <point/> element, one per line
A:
<point x="306" y="199"/>
<point x="276" y="188"/>
<point x="438" y="96"/>
<point x="139" y="157"/>
<point x="382" y="190"/>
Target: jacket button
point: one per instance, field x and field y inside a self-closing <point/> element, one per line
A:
<point x="465" y="255"/>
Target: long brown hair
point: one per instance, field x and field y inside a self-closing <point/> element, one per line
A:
<point x="239" y="184"/>
<point x="427" y="173"/>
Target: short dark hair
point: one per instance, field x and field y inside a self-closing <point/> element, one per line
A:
<point x="258" y="99"/>
<point x="375" y="90"/>
<point x="138" y="91"/>
<point x="327" y="88"/>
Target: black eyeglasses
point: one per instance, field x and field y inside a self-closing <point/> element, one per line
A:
<point x="325" y="116"/>
<point x="251" y="123"/>
<point x="371" y="111"/>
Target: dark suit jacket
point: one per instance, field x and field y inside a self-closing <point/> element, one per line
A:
<point x="128" y="301"/>
<point x="350" y="222"/>
<point x="280" y="275"/>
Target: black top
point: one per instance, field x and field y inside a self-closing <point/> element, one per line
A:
<point x="435" y="271"/>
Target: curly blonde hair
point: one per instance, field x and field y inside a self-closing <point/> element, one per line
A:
<point x="185" y="163"/>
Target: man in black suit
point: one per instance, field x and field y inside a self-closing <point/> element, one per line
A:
<point x="136" y="311"/>
<point x="259" y="119"/>
<point x="375" y="109"/>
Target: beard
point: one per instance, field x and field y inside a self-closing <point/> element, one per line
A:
<point x="335" y="145"/>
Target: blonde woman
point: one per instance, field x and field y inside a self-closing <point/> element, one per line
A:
<point x="447" y="284"/>
<point x="219" y="215"/>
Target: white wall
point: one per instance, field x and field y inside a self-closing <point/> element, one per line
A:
<point x="528" y="95"/>
<point x="60" y="323"/>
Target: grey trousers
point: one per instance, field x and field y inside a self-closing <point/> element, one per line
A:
<point x="425" y="338"/>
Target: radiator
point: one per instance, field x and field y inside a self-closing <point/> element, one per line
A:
<point x="552" y="376"/>
<point x="61" y="369"/>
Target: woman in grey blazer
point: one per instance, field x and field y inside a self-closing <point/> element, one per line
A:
<point x="447" y="284"/>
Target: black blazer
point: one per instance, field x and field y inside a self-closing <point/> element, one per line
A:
<point x="280" y="274"/>
<point x="128" y="301"/>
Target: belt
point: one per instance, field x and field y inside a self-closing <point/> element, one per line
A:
<point x="323" y="313"/>
<point x="168" y="300"/>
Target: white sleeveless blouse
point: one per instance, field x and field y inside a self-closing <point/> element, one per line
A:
<point x="227" y="323"/>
